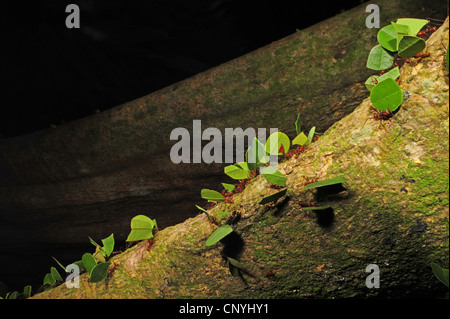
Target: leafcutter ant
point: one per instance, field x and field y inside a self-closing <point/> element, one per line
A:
<point x="111" y="270"/>
<point x="381" y="115"/>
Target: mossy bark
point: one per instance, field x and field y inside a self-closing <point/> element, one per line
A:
<point x="392" y="212"/>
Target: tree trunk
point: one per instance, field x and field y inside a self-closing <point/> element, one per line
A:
<point x="392" y="212"/>
<point x="91" y="176"/>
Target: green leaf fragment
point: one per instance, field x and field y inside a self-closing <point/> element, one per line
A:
<point x="219" y="234"/>
<point x="328" y="182"/>
<point x="371" y="82"/>
<point x="256" y="155"/>
<point x="12" y="295"/>
<point x="272" y="175"/>
<point x="316" y="207"/>
<point x="99" y="255"/>
<point x="301" y="139"/>
<point x="202" y="209"/>
<point x="278" y="141"/>
<point x="401" y="28"/>
<point x="386" y="94"/>
<point x="139" y="234"/>
<point x="99" y="272"/>
<point x="89" y="262"/>
<point x="27" y="291"/>
<point x="54" y="272"/>
<point x="60" y="265"/>
<point x="49" y="280"/>
<point x="387" y="37"/>
<point x="379" y="58"/>
<point x="108" y="244"/>
<point x="141" y="228"/>
<point x="409" y="46"/>
<point x="273" y="197"/>
<point x="441" y="273"/>
<point x="298" y="127"/>
<point x="228" y="187"/>
<point x="414" y="25"/>
<point x="237" y="171"/>
<point x="212" y="195"/>
<point x="393" y="74"/>
<point x="311" y="133"/>
<point x="93" y="242"/>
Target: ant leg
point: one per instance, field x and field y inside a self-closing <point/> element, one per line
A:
<point x="366" y="121"/>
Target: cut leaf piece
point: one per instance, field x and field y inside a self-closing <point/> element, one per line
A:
<point x="202" y="209"/>
<point x="60" y="265"/>
<point x="311" y="134"/>
<point x="228" y="187"/>
<point x="386" y="94"/>
<point x="108" y="244"/>
<point x="272" y="175"/>
<point x="371" y="82"/>
<point x="99" y="272"/>
<point x="276" y="141"/>
<point x="331" y="181"/>
<point x="255" y="154"/>
<point x="49" y="280"/>
<point x="93" y="242"/>
<point x="401" y="28"/>
<point x="298" y="127"/>
<point x="139" y="234"/>
<point x="99" y="255"/>
<point x="89" y="262"/>
<point x="141" y="228"/>
<point x="387" y="37"/>
<point x="441" y="273"/>
<point x="316" y="207"/>
<point x="409" y="46"/>
<point x="56" y="274"/>
<point x="393" y="74"/>
<point x="27" y="291"/>
<point x="273" y="197"/>
<point x="212" y="195"/>
<point x="379" y="58"/>
<point x="301" y="139"/>
<point x="237" y="171"/>
<point x="219" y="234"/>
<point x="414" y="25"/>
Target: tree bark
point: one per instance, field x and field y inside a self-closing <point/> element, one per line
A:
<point x="392" y="212"/>
<point x="91" y="176"/>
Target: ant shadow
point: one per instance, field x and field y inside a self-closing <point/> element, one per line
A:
<point x="325" y="217"/>
<point x="233" y="245"/>
<point x="330" y="193"/>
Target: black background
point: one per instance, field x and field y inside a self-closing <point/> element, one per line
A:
<point x="126" y="49"/>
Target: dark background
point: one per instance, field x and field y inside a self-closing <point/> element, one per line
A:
<point x="127" y="49"/>
<point x="124" y="49"/>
